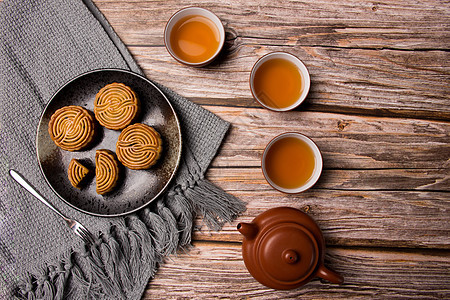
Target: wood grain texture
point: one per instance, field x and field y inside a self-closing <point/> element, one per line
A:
<point x="359" y="54"/>
<point x="252" y="179"/>
<point x="355" y="218"/>
<point x="216" y="271"/>
<point x="376" y="208"/>
<point x="354" y="24"/>
<point x="379" y="111"/>
<point x="374" y="82"/>
<point x="346" y="141"/>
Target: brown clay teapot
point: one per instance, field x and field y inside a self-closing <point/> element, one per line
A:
<point x="283" y="248"/>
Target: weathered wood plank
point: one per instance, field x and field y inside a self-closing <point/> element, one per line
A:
<point x="353" y="207"/>
<point x="346" y="141"/>
<point x="375" y="82"/>
<point x="252" y="179"/>
<point x="355" y="218"/>
<point x="364" y="24"/>
<point x="216" y="271"/>
<point x="334" y="39"/>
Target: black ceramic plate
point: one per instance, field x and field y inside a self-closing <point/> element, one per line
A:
<point x="137" y="188"/>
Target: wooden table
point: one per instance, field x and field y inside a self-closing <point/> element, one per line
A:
<point x="379" y="110"/>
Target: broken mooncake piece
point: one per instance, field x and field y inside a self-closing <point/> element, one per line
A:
<point x="106" y="171"/>
<point x="139" y="146"/>
<point x="116" y="106"/>
<point x="77" y="172"/>
<point x="71" y="128"/>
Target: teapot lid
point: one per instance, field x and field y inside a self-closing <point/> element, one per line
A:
<point x="286" y="254"/>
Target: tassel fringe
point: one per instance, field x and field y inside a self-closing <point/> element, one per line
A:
<point x="216" y="206"/>
<point x="133" y="247"/>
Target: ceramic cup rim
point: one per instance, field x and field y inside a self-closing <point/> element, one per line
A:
<point x="318" y="163"/>
<point x="188" y="11"/>
<point x="306" y="80"/>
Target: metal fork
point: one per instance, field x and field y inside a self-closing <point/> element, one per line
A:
<point x="79" y="229"/>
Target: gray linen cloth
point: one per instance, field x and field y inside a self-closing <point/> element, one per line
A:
<point x="43" y="45"/>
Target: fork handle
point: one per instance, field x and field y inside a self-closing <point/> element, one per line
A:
<point x="22" y="181"/>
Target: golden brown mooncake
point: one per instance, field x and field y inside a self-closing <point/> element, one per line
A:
<point x="106" y="171"/>
<point x="77" y="173"/>
<point x="116" y="106"/>
<point x="139" y="146"/>
<point x="72" y="128"/>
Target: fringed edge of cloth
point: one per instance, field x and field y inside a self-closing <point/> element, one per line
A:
<point x="133" y="247"/>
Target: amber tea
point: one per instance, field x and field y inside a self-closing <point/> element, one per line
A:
<point x="278" y="83"/>
<point x="195" y="38"/>
<point x="292" y="163"/>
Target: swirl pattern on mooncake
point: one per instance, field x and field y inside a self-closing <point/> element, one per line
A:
<point x="76" y="172"/>
<point x="139" y="146"/>
<point x="106" y="171"/>
<point x="72" y="128"/>
<point x="116" y="106"/>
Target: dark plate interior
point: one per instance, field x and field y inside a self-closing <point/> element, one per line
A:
<point x="136" y="188"/>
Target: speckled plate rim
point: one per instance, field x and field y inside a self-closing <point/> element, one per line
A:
<point x="179" y="148"/>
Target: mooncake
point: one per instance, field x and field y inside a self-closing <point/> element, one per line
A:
<point x="106" y="171"/>
<point x="72" y="128"/>
<point x="116" y="106"/>
<point x="77" y="173"/>
<point x="139" y="146"/>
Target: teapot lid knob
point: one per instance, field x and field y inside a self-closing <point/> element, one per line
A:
<point x="290" y="256"/>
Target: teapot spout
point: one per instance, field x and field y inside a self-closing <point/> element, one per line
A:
<point x="329" y="275"/>
<point x="249" y="230"/>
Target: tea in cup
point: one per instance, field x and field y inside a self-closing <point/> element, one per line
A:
<point x="292" y="163"/>
<point x="279" y="81"/>
<point x="194" y="36"/>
